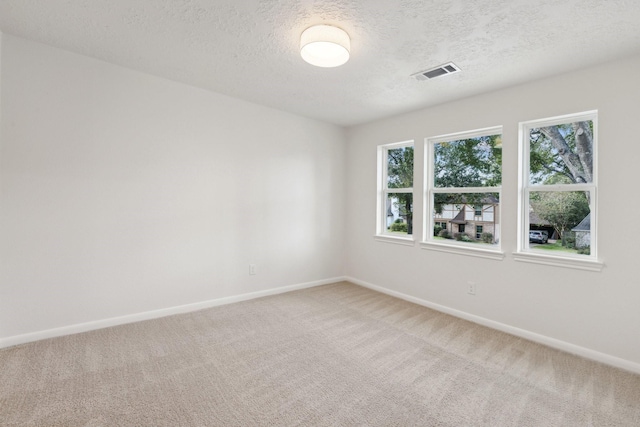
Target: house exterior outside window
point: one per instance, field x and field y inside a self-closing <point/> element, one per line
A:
<point x="468" y="217"/>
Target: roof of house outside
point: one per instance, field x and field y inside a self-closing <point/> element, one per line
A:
<point x="459" y="219"/>
<point x="585" y="224"/>
<point x="534" y="219"/>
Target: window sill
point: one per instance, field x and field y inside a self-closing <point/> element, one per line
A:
<point x="464" y="250"/>
<point x="576" y="263"/>
<point x="396" y="240"/>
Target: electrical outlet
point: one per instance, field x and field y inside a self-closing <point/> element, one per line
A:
<point x="252" y="269"/>
<point x="471" y="288"/>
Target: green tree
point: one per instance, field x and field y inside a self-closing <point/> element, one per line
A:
<point x="562" y="150"/>
<point x="400" y="175"/>
<point x="472" y="162"/>
<point x="562" y="209"/>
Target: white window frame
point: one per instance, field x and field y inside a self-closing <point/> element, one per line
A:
<point x="524" y="252"/>
<point x="382" y="193"/>
<point x="462" y="248"/>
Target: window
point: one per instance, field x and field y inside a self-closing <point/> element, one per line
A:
<point x="558" y="181"/>
<point x="463" y="186"/>
<point x="395" y="191"/>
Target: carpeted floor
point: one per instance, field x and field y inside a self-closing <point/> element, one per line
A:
<point x="334" y="355"/>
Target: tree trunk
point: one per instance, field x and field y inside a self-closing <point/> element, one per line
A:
<point x="580" y="164"/>
<point x="571" y="159"/>
<point x="409" y="218"/>
<point x="584" y="148"/>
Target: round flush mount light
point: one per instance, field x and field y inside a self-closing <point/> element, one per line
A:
<point x="325" y="46"/>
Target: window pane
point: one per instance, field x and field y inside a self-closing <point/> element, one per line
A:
<point x="458" y="215"/>
<point x="560" y="221"/>
<point x="561" y="154"/>
<point x="472" y="162"/>
<point x="400" y="167"/>
<point x="400" y="213"/>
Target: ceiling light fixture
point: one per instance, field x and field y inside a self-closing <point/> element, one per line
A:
<point x="325" y="46"/>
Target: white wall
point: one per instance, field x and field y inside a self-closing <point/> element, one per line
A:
<point x="595" y="311"/>
<point x="124" y="193"/>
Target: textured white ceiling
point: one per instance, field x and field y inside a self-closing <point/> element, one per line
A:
<point x="249" y="48"/>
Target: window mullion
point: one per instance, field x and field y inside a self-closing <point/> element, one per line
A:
<point x="447" y="190"/>
<point x="562" y="187"/>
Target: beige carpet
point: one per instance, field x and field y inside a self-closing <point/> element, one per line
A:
<point x="335" y="355"/>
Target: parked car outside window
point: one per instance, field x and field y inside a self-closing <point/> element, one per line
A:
<point x="538" y="236"/>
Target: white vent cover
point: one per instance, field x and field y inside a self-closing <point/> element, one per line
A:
<point x="441" y="70"/>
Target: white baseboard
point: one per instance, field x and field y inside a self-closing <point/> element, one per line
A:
<point x="154" y="314"/>
<point x="522" y="333"/>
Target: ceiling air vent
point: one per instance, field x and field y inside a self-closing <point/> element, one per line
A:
<point x="441" y="70"/>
